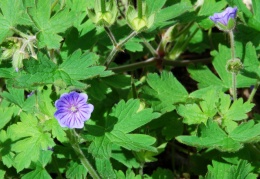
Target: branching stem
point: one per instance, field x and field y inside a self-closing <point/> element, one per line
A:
<point x="152" y="61"/>
<point x="118" y="47"/>
<point x="111" y="36"/>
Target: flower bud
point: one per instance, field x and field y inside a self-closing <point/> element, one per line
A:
<point x="136" y="23"/>
<point x="7" y="53"/>
<point x="106" y="18"/>
<point x="225" y="20"/>
<point x="18" y="59"/>
<point x="234" y="65"/>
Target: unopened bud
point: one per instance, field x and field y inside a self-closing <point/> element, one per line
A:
<point x="18" y="59"/>
<point x="234" y="65"/>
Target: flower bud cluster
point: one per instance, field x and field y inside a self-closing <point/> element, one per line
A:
<point x="18" y="49"/>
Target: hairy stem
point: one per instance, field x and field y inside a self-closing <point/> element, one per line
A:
<point x="234" y="75"/>
<point x="149" y="46"/>
<point x="115" y="49"/>
<point x="73" y="138"/>
<point x="111" y="36"/>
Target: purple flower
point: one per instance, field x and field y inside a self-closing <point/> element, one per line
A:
<point x="226" y="20"/>
<point x="72" y="110"/>
<point x="225" y="16"/>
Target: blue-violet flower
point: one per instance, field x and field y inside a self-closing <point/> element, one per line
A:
<point x="72" y="110"/>
<point x="225" y="20"/>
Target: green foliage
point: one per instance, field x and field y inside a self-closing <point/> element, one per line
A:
<point x="124" y="118"/>
<point x="49" y="26"/>
<point x="212" y="136"/>
<point x="245" y="79"/>
<point x="165" y="107"/>
<point x="44" y="71"/>
<point x="11" y="15"/>
<point x="163" y="92"/>
<point x="224" y="170"/>
<point x="30" y="140"/>
<point x="76" y="170"/>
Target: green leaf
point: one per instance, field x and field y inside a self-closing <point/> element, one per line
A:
<point x="118" y="81"/>
<point x="15" y="96"/>
<point x="166" y="15"/>
<point x="5" y="115"/>
<point x="10" y="16"/>
<point x="31" y="139"/>
<point x="44" y="100"/>
<point x="219" y="62"/>
<point x="2" y="173"/>
<point x="36" y="72"/>
<point x="5" y="145"/>
<point x="129" y="175"/>
<point x="192" y="114"/>
<point x="208" y="8"/>
<point x="105" y="168"/>
<point x="76" y="171"/>
<point x="256" y="8"/>
<point x="223" y="170"/>
<point x="39" y="173"/>
<point x="125" y="157"/>
<point x="211" y="136"/>
<point x="238" y="111"/>
<point x="43" y="71"/>
<point x="205" y="77"/>
<point x="7" y="73"/>
<point x="153" y="6"/>
<point x="246" y="132"/>
<point x="124" y="118"/>
<point x="56" y="130"/>
<point x="205" y="109"/>
<point x="163" y="92"/>
<point x="133" y="45"/>
<point x="162" y="173"/>
<point x="85" y="70"/>
<point x="251" y="64"/>
<point x="219" y="170"/>
<point x="49" y="27"/>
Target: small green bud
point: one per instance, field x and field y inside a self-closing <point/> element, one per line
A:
<point x="7" y="53"/>
<point x="18" y="59"/>
<point x="139" y="24"/>
<point x="234" y="65"/>
<point x="106" y="18"/>
<point x="136" y="23"/>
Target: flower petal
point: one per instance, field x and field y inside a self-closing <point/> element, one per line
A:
<point x="73" y="119"/>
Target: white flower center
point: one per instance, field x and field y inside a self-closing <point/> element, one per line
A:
<point x="73" y="108"/>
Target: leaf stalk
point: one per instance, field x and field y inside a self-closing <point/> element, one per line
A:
<point x="73" y="138"/>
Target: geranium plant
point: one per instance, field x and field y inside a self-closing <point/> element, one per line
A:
<point x="129" y="89"/>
